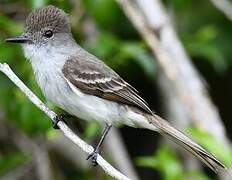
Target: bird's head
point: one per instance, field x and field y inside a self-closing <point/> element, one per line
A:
<point x="45" y="28"/>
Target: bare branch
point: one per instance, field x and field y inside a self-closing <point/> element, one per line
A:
<point x="119" y="154"/>
<point x="63" y="146"/>
<point x="150" y="18"/>
<point x="63" y="127"/>
<point x="43" y="164"/>
<point x="224" y="6"/>
<point x="175" y="63"/>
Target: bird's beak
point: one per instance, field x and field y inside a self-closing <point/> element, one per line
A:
<point x="19" y="39"/>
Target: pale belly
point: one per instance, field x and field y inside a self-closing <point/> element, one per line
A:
<point x="92" y="108"/>
<point x="83" y="106"/>
<point x="88" y="107"/>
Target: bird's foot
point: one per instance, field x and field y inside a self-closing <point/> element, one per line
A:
<point x="58" y="118"/>
<point x="93" y="157"/>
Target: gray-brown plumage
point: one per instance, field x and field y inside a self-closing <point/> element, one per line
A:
<point x="83" y="85"/>
<point x="94" y="77"/>
<point x="48" y="17"/>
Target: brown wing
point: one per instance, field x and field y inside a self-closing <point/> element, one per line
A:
<point x="93" y="77"/>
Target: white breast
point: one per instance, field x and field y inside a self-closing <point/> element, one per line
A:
<point x="47" y="66"/>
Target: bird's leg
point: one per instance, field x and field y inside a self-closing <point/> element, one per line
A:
<point x="93" y="155"/>
<point x="60" y="117"/>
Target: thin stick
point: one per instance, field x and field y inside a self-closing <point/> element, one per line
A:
<point x="224" y="6"/>
<point x="110" y="170"/>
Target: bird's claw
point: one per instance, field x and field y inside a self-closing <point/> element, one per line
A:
<point x="57" y="119"/>
<point x="93" y="157"/>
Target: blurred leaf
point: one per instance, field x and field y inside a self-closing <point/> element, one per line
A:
<point x="105" y="46"/>
<point x="10" y="161"/>
<point x="10" y="27"/>
<point x="169" y="166"/>
<point x="22" y="112"/>
<point x="116" y="52"/>
<point x="165" y="161"/>
<point x="109" y="17"/>
<point x="104" y="12"/>
<point x="37" y="3"/>
<point x="7" y="56"/>
<point x="206" y="34"/>
<point x="139" y="53"/>
<point x="92" y="129"/>
<point x="147" y="161"/>
<point x="52" y="133"/>
<point x="203" y="44"/>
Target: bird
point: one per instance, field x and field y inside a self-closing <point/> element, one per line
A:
<point x="82" y="85"/>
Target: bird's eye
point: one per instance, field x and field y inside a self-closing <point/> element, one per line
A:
<point x="48" y="33"/>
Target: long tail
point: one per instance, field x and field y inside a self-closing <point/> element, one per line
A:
<point x="173" y="134"/>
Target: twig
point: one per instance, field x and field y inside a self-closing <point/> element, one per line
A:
<point x="63" y="146"/>
<point x="43" y="164"/>
<point x="224" y="6"/>
<point x="119" y="153"/>
<point x="63" y="127"/>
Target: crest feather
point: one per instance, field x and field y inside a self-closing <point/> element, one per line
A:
<point x="49" y="16"/>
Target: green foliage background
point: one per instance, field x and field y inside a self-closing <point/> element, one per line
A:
<point x="205" y="33"/>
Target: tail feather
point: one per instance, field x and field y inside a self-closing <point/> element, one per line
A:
<point x="170" y="132"/>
